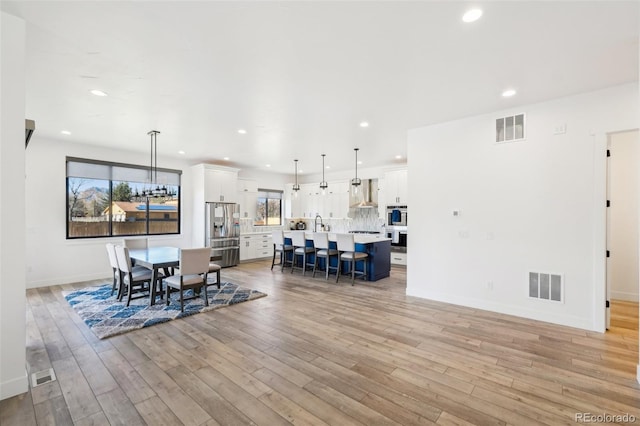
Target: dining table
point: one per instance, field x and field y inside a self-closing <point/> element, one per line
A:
<point x="156" y="258"/>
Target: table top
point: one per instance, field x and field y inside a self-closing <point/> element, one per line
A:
<point x="156" y="257"/>
<point x="357" y="238"/>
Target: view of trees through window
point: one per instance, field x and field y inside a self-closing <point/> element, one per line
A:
<point x="103" y="207"/>
<point x="269" y="209"/>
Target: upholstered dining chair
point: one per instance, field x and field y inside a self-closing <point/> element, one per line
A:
<point x="300" y="249"/>
<point x="113" y="261"/>
<point x="134" y="280"/>
<point x="215" y="268"/>
<point x="136" y="243"/>
<point x="348" y="253"/>
<point x="279" y="246"/>
<point x="194" y="268"/>
<point x="321" y="245"/>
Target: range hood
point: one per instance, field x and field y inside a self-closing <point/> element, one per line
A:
<point x="367" y="196"/>
<point x="29" y="128"/>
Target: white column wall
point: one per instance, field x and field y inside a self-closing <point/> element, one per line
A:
<point x="534" y="205"/>
<point x="13" y="377"/>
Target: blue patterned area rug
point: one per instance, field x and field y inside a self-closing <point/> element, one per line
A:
<point x="107" y="317"/>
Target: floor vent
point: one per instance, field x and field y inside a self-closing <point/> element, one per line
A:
<point x="546" y="286"/>
<point x="42" y="377"/>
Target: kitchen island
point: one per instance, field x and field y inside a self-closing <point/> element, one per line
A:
<point x="377" y="246"/>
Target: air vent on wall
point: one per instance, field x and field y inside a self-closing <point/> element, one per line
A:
<point x="546" y="286"/>
<point x="509" y="129"/>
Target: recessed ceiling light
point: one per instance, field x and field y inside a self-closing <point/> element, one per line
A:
<point x="65" y="132"/>
<point x="98" y="92"/>
<point x="267" y="165"/>
<point x="508" y="93"/>
<point x="181" y="152"/>
<point x="359" y="162"/>
<point x="364" y="124"/>
<point x="226" y="158"/>
<point x="328" y="167"/>
<point x="398" y="157"/>
<point x="242" y="131"/>
<point x="472" y="15"/>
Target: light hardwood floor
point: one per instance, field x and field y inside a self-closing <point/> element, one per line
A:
<point x="314" y="352"/>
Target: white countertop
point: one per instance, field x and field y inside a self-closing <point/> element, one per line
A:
<point x="358" y="238"/>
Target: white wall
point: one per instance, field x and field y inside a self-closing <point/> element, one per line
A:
<point x="13" y="377"/>
<point x="51" y="258"/>
<point x="623" y="213"/>
<point x="535" y="205"/>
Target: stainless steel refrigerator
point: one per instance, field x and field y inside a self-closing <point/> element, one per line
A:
<point x="222" y="232"/>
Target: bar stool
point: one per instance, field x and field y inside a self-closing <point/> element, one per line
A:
<point x="300" y="249"/>
<point x="280" y="247"/>
<point x="348" y="253"/>
<point x="321" y="245"/>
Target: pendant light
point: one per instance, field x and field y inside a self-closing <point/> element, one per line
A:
<point x="154" y="190"/>
<point x="355" y="182"/>
<point x="323" y="185"/>
<point x="296" y="187"/>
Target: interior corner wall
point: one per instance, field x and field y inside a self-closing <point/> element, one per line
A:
<point x="52" y="258"/>
<point x="529" y="206"/>
<point x="13" y="376"/>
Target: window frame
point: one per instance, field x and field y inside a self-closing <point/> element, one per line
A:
<point x="267" y="198"/>
<point x="110" y="180"/>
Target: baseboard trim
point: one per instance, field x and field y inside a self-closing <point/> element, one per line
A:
<point x="13" y="387"/>
<point x="68" y="280"/>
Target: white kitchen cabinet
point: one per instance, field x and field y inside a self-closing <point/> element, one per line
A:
<point x="336" y="201"/>
<point x="256" y="246"/>
<point x="398" y="258"/>
<point x="395" y="187"/>
<point x="220" y="185"/>
<point x="247" y="197"/>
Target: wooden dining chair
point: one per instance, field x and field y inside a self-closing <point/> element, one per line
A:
<point x="348" y="253"/>
<point x="194" y="268"/>
<point x="134" y="280"/>
<point x="279" y="246"/>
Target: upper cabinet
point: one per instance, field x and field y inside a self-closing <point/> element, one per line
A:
<point x="310" y="200"/>
<point x="220" y="185"/>
<point x="247" y="197"/>
<point x="395" y="187"/>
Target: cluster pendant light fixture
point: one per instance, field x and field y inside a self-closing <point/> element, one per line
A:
<point x="323" y="185"/>
<point x="296" y="187"/>
<point x="355" y="182"/>
<point x="154" y="190"/>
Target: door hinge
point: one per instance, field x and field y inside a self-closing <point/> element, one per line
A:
<point x="606" y="304"/>
<point x="608" y="253"/>
<point x="608" y="203"/>
<point x="608" y="153"/>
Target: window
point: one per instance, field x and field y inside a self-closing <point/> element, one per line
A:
<point x="103" y="200"/>
<point x="269" y="209"/>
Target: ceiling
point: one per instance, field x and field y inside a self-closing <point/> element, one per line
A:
<point x="299" y="77"/>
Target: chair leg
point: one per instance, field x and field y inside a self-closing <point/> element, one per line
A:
<point x="273" y="261"/>
<point x="181" y="299"/>
<point x="315" y="265"/>
<point x="326" y="267"/>
<point x="167" y="294"/>
<point x="218" y="278"/>
<point x="353" y="270"/>
<point x="206" y="297"/>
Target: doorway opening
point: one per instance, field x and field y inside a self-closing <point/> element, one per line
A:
<point x="622" y="266"/>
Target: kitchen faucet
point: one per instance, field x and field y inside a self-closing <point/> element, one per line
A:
<point x="315" y="223"/>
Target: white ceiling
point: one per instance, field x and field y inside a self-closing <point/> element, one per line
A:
<point x="301" y="76"/>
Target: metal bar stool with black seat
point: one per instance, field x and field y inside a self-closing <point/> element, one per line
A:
<point x="348" y="253"/>
<point x="300" y="248"/>
<point x="279" y="246"/>
<point x="321" y="245"/>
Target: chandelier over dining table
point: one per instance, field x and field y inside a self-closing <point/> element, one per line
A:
<point x="154" y="190"/>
